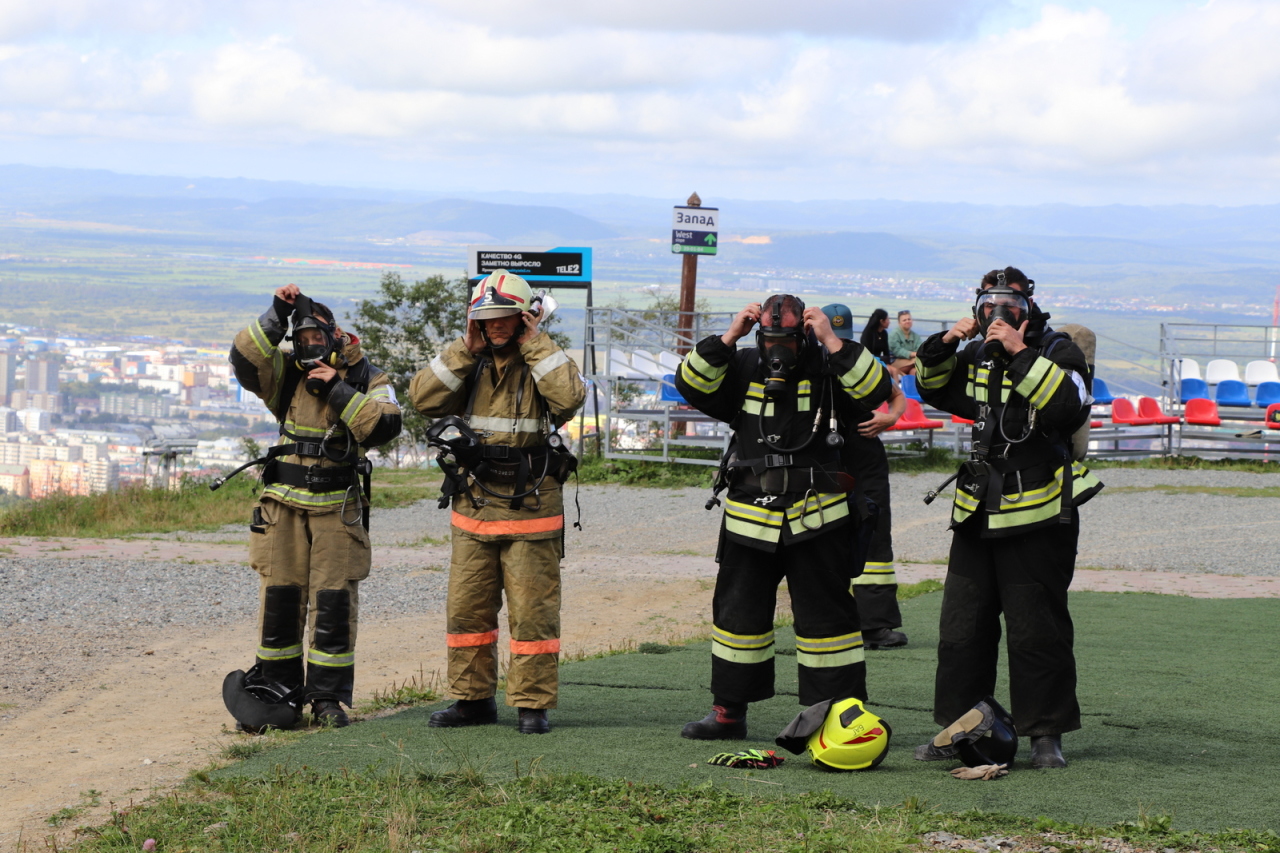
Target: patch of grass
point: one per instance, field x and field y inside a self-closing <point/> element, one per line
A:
<point x="132" y="510"/>
<point x="1189" y="463"/>
<point x="597" y="469"/>
<point x="415" y="690"/>
<point x="907" y="591"/>
<point x="88" y="799"/>
<point x="414" y="807"/>
<point x="924" y="460"/>
<point x="1225" y="491"/>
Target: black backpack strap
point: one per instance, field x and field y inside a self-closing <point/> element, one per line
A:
<point x="473" y="387"/>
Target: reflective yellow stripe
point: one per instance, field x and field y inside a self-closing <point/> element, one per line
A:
<point x="750" y="512"/>
<point x="297" y="429"/>
<point x="699" y="373"/>
<point x="322" y="659"/>
<point x="752" y="407"/>
<point x="829" y="644"/>
<point x="862" y="378"/>
<point x="752" y="530"/>
<point x="523" y="425"/>
<point x="268" y="349"/>
<point x="286" y="653"/>
<point x="358" y="400"/>
<point x="877" y="574"/>
<point x="305" y="498"/>
<point x="742" y="655"/>
<point x="934" y="377"/>
<point x="834" y="508"/>
<point x="832" y="660"/>
<point x="1042" y="395"/>
<point x="741" y="641"/>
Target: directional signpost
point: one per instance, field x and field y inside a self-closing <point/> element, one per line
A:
<point x="695" y="230"/>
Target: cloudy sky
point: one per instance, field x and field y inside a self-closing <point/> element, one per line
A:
<point x="1014" y="101"/>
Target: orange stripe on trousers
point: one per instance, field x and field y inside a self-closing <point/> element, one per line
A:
<point x="527" y="525"/>
<point x="462" y="641"/>
<point x="535" y="647"/>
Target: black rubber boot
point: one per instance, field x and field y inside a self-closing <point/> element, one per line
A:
<point x="721" y="724"/>
<point x="533" y="721"/>
<point x="328" y="712"/>
<point x="466" y="712"/>
<point x="883" y="638"/>
<point x="1046" y="752"/>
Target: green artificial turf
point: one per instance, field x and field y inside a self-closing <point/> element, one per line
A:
<point x="1178" y="697"/>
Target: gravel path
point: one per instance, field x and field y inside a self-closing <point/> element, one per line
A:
<point x="63" y="610"/>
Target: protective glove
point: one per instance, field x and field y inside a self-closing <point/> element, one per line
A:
<point x="751" y="759"/>
<point x="985" y="772"/>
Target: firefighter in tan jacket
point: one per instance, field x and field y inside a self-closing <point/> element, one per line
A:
<point x="508" y="387"/>
<point x="309" y="539"/>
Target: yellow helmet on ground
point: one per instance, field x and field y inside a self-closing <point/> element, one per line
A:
<point x="851" y="738"/>
<point x="500" y="294"/>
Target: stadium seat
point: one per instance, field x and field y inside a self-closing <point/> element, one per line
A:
<point x="645" y="363"/>
<point x="1273" y="416"/>
<point x="1188" y="368"/>
<point x="914" y="418"/>
<point x="1221" y="370"/>
<point x="1149" y="408"/>
<point x="620" y="366"/>
<point x="1101" y="393"/>
<point x="1267" y="393"/>
<point x="1202" y="412"/>
<point x="956" y="419"/>
<point x="1257" y="372"/>
<point x="909" y="388"/>
<point x="1232" y="392"/>
<point x="1122" y="412"/>
<point x="667" y="392"/>
<point x="1194" y="389"/>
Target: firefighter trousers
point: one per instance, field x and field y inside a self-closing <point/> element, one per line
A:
<point x="1025" y="577"/>
<point x="528" y="571"/>
<point x="311" y="565"/>
<point x="829" y="653"/>
<point x="876" y="589"/>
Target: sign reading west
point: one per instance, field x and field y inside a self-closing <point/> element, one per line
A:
<point x="563" y="266"/>
<point x="695" y="230"/>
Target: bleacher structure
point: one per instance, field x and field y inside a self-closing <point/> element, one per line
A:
<point x="1221" y="394"/>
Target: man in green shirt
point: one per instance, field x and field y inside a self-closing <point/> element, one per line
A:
<point x="903" y="344"/>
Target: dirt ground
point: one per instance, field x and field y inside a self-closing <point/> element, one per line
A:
<point x="91" y="737"/>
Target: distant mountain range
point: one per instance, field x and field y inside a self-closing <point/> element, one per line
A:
<point x="1165" y="247"/>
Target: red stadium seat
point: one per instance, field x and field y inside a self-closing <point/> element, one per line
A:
<point x="1203" y="413"/>
<point x="1122" y="413"/>
<point x="1149" y="408"/>
<point x="956" y="419"/>
<point x="1273" y="416"/>
<point x="914" y="418"/>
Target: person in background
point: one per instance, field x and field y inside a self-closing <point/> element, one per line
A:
<point x="903" y="344"/>
<point x="875" y="336"/>
<point x="876" y="589"/>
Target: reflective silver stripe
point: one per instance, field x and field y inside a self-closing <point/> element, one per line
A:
<point x="444" y="374"/>
<point x="741" y="641"/>
<point x="280" y="654"/>
<point x="387" y="391"/>
<point x="549" y="364"/>
<point x="830" y="661"/>
<point x="322" y="659"/>
<point x="741" y="655"/>
<point x="504" y="424"/>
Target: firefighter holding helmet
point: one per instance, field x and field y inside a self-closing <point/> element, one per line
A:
<point x="789" y="512"/>
<point x="500" y="392"/>
<point x="309" y="538"/>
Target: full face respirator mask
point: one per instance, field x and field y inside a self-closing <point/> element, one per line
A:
<point x="780" y="359"/>
<point x="1001" y="302"/>
<point x="307" y="357"/>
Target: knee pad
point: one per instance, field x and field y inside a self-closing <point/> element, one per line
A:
<point x="333" y="621"/>
<point x="281" y="610"/>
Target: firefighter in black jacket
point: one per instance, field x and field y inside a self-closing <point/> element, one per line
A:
<point x="789" y="512"/>
<point x="1027" y="389"/>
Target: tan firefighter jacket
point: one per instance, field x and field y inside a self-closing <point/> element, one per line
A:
<point x="506" y="412"/>
<point x="346" y="415"/>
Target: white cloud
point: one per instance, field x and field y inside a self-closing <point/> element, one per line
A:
<point x="556" y="91"/>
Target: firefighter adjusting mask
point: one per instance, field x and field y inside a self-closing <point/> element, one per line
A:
<point x="781" y="347"/>
<point x="1000" y="302"/>
<point x="325" y="349"/>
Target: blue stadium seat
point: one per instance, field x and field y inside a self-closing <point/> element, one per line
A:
<point x="667" y="391"/>
<point x="1101" y="393"/>
<point x="1267" y="393"/>
<point x="1232" y="392"/>
<point x="910" y="390"/>
<point x="1195" y="389"/>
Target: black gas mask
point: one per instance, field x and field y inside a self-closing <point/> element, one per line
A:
<point x="780" y="359"/>
<point x="1000" y="302"/>
<point x="307" y="357"/>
